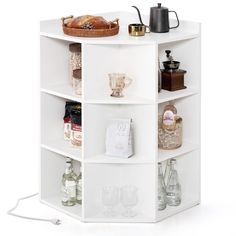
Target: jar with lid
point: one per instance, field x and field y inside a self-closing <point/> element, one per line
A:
<point x="74" y="59"/>
<point x="159" y="76"/>
<point x="76" y="127"/>
<point x="169" y="129"/>
<point x="77" y="82"/>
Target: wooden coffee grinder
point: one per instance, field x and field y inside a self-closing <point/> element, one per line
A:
<point x="172" y="76"/>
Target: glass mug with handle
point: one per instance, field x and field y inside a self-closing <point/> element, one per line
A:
<point x="117" y="82"/>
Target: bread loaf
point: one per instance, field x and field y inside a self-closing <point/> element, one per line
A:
<point x="88" y="22"/>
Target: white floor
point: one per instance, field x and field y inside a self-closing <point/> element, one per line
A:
<point x="211" y="217"/>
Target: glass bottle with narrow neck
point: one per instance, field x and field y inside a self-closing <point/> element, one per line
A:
<point x="69" y="181"/>
<point x="173" y="188"/>
<point x="161" y="189"/>
<point x="79" y="188"/>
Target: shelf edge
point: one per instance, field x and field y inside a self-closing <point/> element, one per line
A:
<point x="55" y="150"/>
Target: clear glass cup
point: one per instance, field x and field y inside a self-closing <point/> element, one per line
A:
<point x="117" y="82"/>
<point x="129" y="199"/>
<point x="110" y="198"/>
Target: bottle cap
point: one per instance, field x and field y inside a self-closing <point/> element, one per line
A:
<point x="68" y="160"/>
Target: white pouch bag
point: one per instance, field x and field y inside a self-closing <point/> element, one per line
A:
<point x="119" y="138"/>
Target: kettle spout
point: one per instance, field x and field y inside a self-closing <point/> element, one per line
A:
<point x="139" y="15"/>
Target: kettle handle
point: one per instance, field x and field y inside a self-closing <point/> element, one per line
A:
<point x="176" y="19"/>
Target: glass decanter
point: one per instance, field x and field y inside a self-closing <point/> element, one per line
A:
<point x="161" y="189"/>
<point x="173" y="188"/>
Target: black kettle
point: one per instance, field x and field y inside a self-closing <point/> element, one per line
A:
<point x="159" y="19"/>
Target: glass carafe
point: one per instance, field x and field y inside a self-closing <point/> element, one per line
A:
<point x="161" y="189"/>
<point x="173" y="188"/>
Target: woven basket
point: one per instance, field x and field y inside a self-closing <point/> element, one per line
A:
<point x="113" y="30"/>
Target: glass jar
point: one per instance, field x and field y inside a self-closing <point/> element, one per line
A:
<point x="76" y="127"/>
<point x="75" y="61"/>
<point x="170" y="138"/>
<point x="77" y="82"/>
<point x="159" y="76"/>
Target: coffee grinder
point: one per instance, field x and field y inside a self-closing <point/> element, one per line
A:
<point x="172" y="76"/>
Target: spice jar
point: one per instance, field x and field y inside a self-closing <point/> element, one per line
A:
<point x="76" y="128"/>
<point x="169" y="129"/>
<point x="77" y="82"/>
<point x="75" y="58"/>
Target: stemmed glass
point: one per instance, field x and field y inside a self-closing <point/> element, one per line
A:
<point x="110" y="198"/>
<point x="129" y="198"/>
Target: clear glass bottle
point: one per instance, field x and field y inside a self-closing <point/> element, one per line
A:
<point x="69" y="182"/>
<point x="173" y="188"/>
<point x="167" y="170"/>
<point x="79" y="188"/>
<point x="161" y="189"/>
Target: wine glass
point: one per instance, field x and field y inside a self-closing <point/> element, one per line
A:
<point x="129" y="198"/>
<point x="110" y="198"/>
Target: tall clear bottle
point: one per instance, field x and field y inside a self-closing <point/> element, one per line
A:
<point x="79" y="188"/>
<point x="161" y="189"/>
<point x="173" y="188"/>
<point x="69" y="182"/>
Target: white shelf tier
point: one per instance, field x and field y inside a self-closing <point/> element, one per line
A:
<point x="172" y="210"/>
<point x="186" y="147"/>
<point x="119" y="160"/>
<point x="165" y="96"/>
<point x="55" y="202"/>
<point x="123" y="100"/>
<point x="136" y="219"/>
<point x="63" y="148"/>
<point x="186" y="30"/>
<point x="63" y="91"/>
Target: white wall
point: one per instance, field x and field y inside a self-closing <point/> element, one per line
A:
<point x="19" y="67"/>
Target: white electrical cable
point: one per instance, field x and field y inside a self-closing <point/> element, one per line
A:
<point x="53" y="221"/>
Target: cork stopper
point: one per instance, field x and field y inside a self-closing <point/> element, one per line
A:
<point x="75" y="47"/>
<point x="77" y="74"/>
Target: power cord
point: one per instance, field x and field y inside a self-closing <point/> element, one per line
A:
<point x="53" y="221"/>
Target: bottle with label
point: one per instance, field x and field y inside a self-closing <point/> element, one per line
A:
<point x="69" y="182"/>
<point x="173" y="188"/>
<point x="161" y="189"/>
<point x="79" y="188"/>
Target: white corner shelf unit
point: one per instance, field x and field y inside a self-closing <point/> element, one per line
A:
<point x="138" y="58"/>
